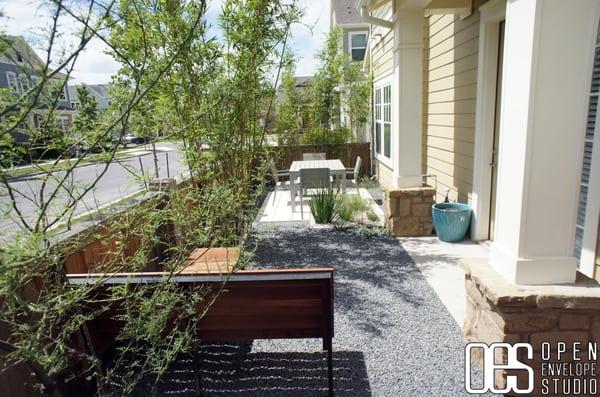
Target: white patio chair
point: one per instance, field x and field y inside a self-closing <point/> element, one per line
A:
<point x="313" y="178"/>
<point x="313" y="156"/>
<point x="354" y="172"/>
<point x="278" y="174"/>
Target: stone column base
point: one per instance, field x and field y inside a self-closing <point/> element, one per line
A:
<point x="555" y="319"/>
<point x="408" y="211"/>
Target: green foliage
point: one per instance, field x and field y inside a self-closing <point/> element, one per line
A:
<point x="372" y="231"/>
<point x="291" y="110"/>
<point x="356" y="97"/>
<point x="174" y="78"/>
<point x="324" y="205"/>
<point x="351" y="205"/>
<point x="85" y="126"/>
<point x="322" y="136"/>
<point x="367" y="183"/>
<point x="338" y="85"/>
<point x="372" y="216"/>
<point x="325" y="96"/>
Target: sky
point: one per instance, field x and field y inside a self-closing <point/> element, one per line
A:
<point x="27" y="18"/>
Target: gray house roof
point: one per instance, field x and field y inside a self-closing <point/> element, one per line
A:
<point x="98" y="90"/>
<point x="303" y="81"/>
<point x="344" y="12"/>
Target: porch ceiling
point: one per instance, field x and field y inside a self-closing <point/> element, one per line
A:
<point x="431" y="7"/>
<point x="436" y="7"/>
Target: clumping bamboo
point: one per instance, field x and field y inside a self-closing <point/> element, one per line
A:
<point x="175" y="78"/>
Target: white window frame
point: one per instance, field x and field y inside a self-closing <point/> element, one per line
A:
<point x="64" y="122"/>
<point x="378" y="118"/>
<point x="14" y="85"/>
<point x="356" y="33"/>
<point x="24" y="78"/>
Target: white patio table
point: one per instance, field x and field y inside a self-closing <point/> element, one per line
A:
<point x="336" y="168"/>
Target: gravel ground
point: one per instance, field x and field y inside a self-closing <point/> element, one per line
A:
<point x="393" y="336"/>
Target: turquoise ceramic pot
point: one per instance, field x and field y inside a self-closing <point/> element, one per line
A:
<point x="451" y="220"/>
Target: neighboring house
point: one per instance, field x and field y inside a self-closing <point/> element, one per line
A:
<point x="20" y="68"/>
<point x="99" y="91"/>
<point x="301" y="84"/>
<point x="355" y="31"/>
<point x="501" y="109"/>
<point x="355" y="37"/>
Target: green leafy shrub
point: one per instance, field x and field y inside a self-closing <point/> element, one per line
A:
<point x="350" y="206"/>
<point x="325" y="205"/>
<point x="372" y="216"/>
<point x="366" y="182"/>
<point x="372" y="231"/>
<point x="324" y="136"/>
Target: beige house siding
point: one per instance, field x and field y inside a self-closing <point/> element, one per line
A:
<point x="450" y="85"/>
<point x="384" y="175"/>
<point x="382" y="56"/>
<point x="382" y="65"/>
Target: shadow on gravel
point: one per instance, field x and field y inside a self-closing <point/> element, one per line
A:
<point x="231" y="369"/>
<point x="364" y="264"/>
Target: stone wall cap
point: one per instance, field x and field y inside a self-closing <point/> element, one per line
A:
<point x="582" y="294"/>
<point x="408" y="190"/>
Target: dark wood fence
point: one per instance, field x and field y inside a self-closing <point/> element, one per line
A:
<point x="95" y="246"/>
<point x="347" y="153"/>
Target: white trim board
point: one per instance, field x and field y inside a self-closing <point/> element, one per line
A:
<point x="491" y="14"/>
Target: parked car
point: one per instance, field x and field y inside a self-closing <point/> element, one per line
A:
<point x="135" y="139"/>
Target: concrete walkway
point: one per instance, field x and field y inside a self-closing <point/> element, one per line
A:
<point x="438" y="261"/>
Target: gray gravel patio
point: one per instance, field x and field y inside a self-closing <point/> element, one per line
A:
<point x="393" y="336"/>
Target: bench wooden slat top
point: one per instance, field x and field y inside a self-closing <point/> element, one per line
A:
<point x="240" y="275"/>
<point x="221" y="260"/>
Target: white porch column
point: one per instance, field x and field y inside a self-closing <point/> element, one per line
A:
<point x="548" y="54"/>
<point x="407" y="97"/>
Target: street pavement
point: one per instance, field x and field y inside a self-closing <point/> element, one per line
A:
<point x="121" y="179"/>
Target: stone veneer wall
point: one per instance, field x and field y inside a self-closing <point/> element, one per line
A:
<point x="408" y="211"/>
<point x="498" y="311"/>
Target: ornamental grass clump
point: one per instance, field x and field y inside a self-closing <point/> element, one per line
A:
<point x="324" y="205"/>
<point x="350" y="206"/>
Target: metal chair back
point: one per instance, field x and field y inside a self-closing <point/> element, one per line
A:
<point x="357" y="167"/>
<point x="315" y="178"/>
<point x="313" y="156"/>
<point x="274" y="172"/>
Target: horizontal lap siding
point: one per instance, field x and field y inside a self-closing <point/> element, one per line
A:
<point x="449" y="95"/>
<point x="383" y="56"/>
<point x="384" y="175"/>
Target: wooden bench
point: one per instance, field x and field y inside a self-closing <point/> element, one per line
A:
<point x="255" y="304"/>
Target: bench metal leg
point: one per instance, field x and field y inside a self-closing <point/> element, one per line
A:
<point x="330" y="370"/>
<point x="328" y="346"/>
<point x="197" y="368"/>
